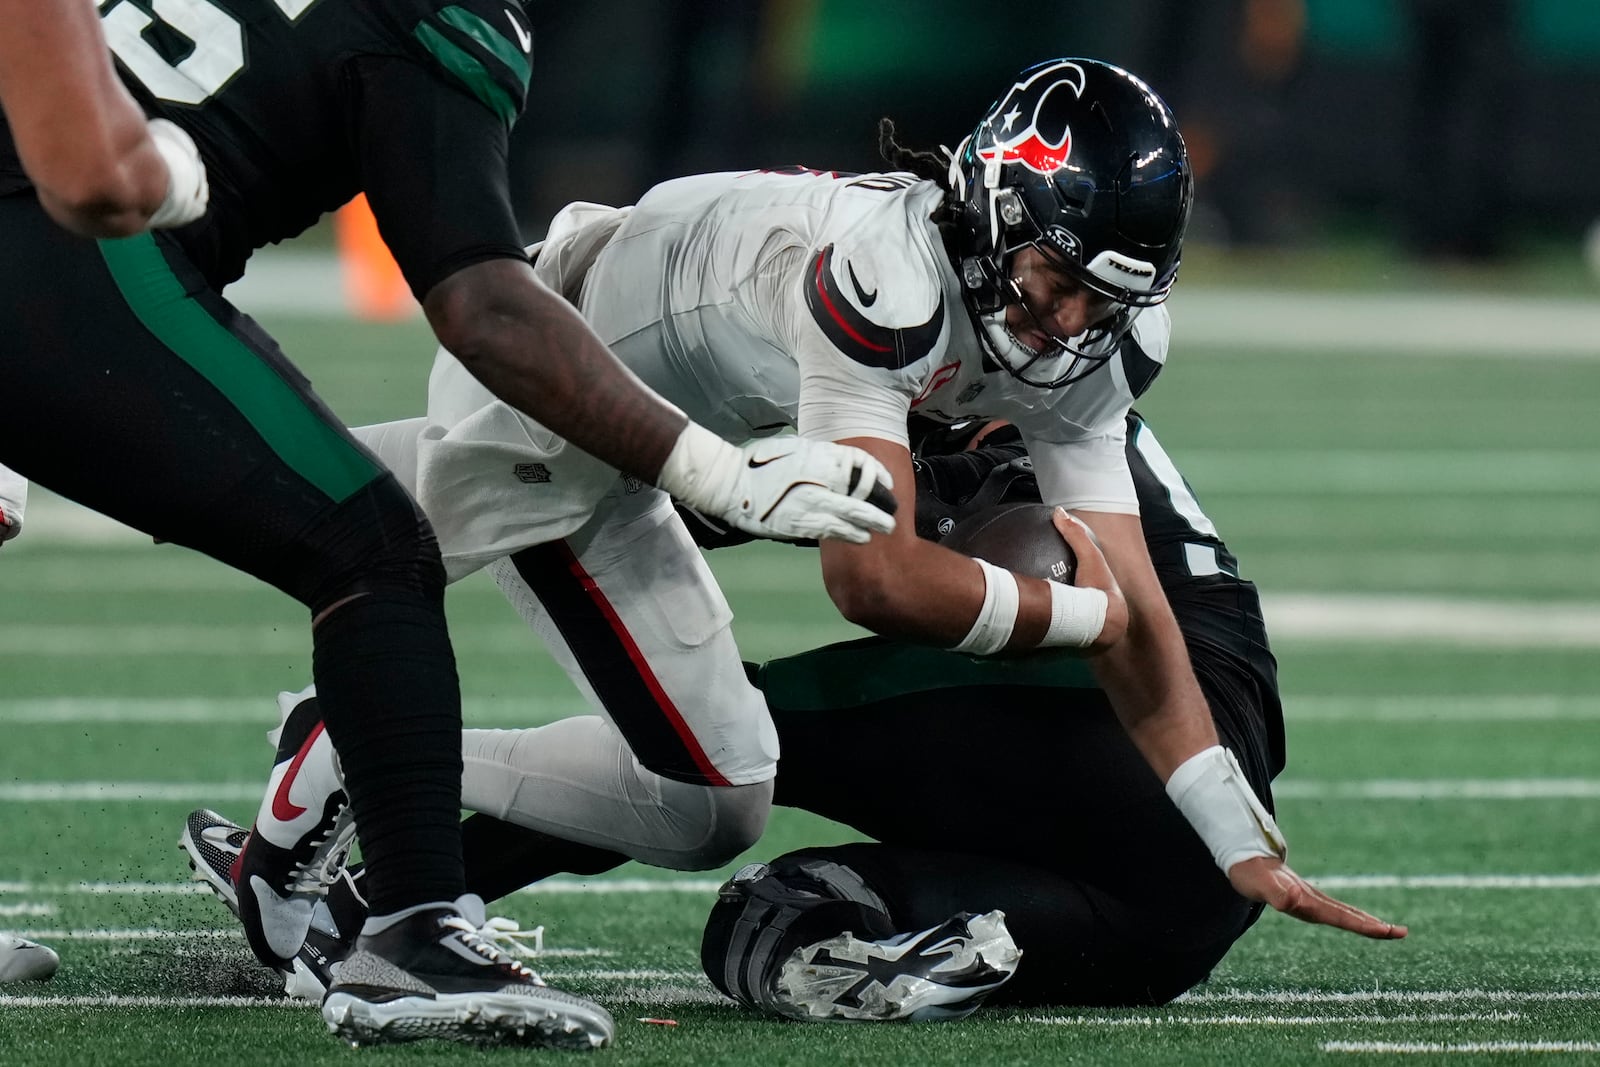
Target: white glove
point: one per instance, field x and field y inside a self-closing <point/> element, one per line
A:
<point x="784" y="487"/>
<point x="187" y="189"/>
<point x="13" y="496"/>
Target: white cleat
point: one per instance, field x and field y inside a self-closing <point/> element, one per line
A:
<point x="939" y="974"/>
<point x="22" y="960"/>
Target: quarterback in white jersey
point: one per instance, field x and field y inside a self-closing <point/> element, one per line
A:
<point x="1019" y="277"/>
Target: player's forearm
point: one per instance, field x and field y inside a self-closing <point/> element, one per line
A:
<point x="78" y="133"/>
<point x="904" y="587"/>
<point x="532" y="350"/>
<point x="1152" y="687"/>
<point x="1148" y="675"/>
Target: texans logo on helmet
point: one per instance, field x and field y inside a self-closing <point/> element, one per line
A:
<point x="1027" y="133"/>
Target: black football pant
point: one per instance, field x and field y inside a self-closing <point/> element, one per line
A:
<point x="1030" y="799"/>
<point x="131" y="387"/>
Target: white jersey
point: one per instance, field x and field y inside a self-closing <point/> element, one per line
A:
<point x="757" y="302"/>
<point x="829" y="303"/>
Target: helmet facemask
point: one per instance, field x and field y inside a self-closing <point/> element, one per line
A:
<point x="990" y="286"/>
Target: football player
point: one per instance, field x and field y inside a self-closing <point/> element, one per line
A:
<point x="100" y="167"/>
<point x="134" y="387"/>
<point x="1020" y="276"/>
<point x="1062" y="845"/>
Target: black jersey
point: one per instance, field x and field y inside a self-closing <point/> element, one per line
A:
<point x="298" y="105"/>
<point x="1218" y="611"/>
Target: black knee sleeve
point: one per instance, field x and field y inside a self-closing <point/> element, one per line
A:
<point x="767" y="911"/>
<point x="377" y="542"/>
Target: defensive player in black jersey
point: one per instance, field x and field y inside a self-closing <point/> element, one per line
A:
<point x="135" y="388"/>
<point x="1059" y="825"/>
<point x="101" y="168"/>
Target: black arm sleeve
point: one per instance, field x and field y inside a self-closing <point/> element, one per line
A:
<point x="433" y="163"/>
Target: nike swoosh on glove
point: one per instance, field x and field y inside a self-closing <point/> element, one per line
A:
<point x="789" y="488"/>
<point x="793" y="487"/>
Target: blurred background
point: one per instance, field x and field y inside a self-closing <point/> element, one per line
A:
<point x="1447" y="132"/>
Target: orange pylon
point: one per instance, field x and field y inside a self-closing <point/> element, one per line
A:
<point x="373" y="284"/>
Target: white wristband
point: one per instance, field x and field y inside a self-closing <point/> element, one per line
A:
<point x="1214" y="795"/>
<point x="701" y="470"/>
<point x="188" y="189"/>
<point x="998" y="615"/>
<point x="1077" y="615"/>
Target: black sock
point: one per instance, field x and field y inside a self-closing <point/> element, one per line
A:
<point x="502" y="857"/>
<point x="386" y="680"/>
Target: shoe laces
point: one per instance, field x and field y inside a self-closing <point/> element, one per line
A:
<point x="499" y="941"/>
<point x="331" y="851"/>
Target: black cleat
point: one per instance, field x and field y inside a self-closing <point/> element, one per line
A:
<point x="436" y="972"/>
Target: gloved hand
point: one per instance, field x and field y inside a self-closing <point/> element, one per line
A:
<point x="790" y="488"/>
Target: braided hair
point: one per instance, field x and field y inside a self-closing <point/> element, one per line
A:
<point x="930" y="165"/>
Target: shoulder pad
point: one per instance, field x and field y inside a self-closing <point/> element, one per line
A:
<point x="1143" y="351"/>
<point x="483" y="47"/>
<point x="845" y="305"/>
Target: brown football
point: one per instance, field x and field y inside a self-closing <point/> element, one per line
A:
<point x="1018" y="537"/>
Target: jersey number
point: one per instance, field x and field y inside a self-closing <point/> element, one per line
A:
<point x="217" y="39"/>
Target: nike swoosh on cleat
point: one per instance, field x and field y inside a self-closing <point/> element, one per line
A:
<point x="524" y="38"/>
<point x="284" y="809"/>
<point x="278" y="914"/>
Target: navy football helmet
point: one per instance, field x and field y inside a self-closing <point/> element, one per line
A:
<point x="1083" y="162"/>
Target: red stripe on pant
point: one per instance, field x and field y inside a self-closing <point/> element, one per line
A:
<point x="614" y="665"/>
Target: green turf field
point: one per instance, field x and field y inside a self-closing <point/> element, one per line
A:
<point x="1425" y="527"/>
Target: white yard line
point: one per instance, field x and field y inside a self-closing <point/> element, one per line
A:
<point x="1457" y="621"/>
<point x="8" y="1001"/>
<point x="1389" y="996"/>
<point x="128" y="792"/>
<point x="1474" y="1048"/>
<point x="1440" y="789"/>
<point x="1458" y="882"/>
<point x="1412" y="472"/>
<point x="1272" y="1020"/>
<point x="1416" y="324"/>
<point x="1444" y="710"/>
<point x="29" y="908"/>
<point x="147" y="934"/>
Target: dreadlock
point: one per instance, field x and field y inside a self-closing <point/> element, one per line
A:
<point x="931" y="165"/>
